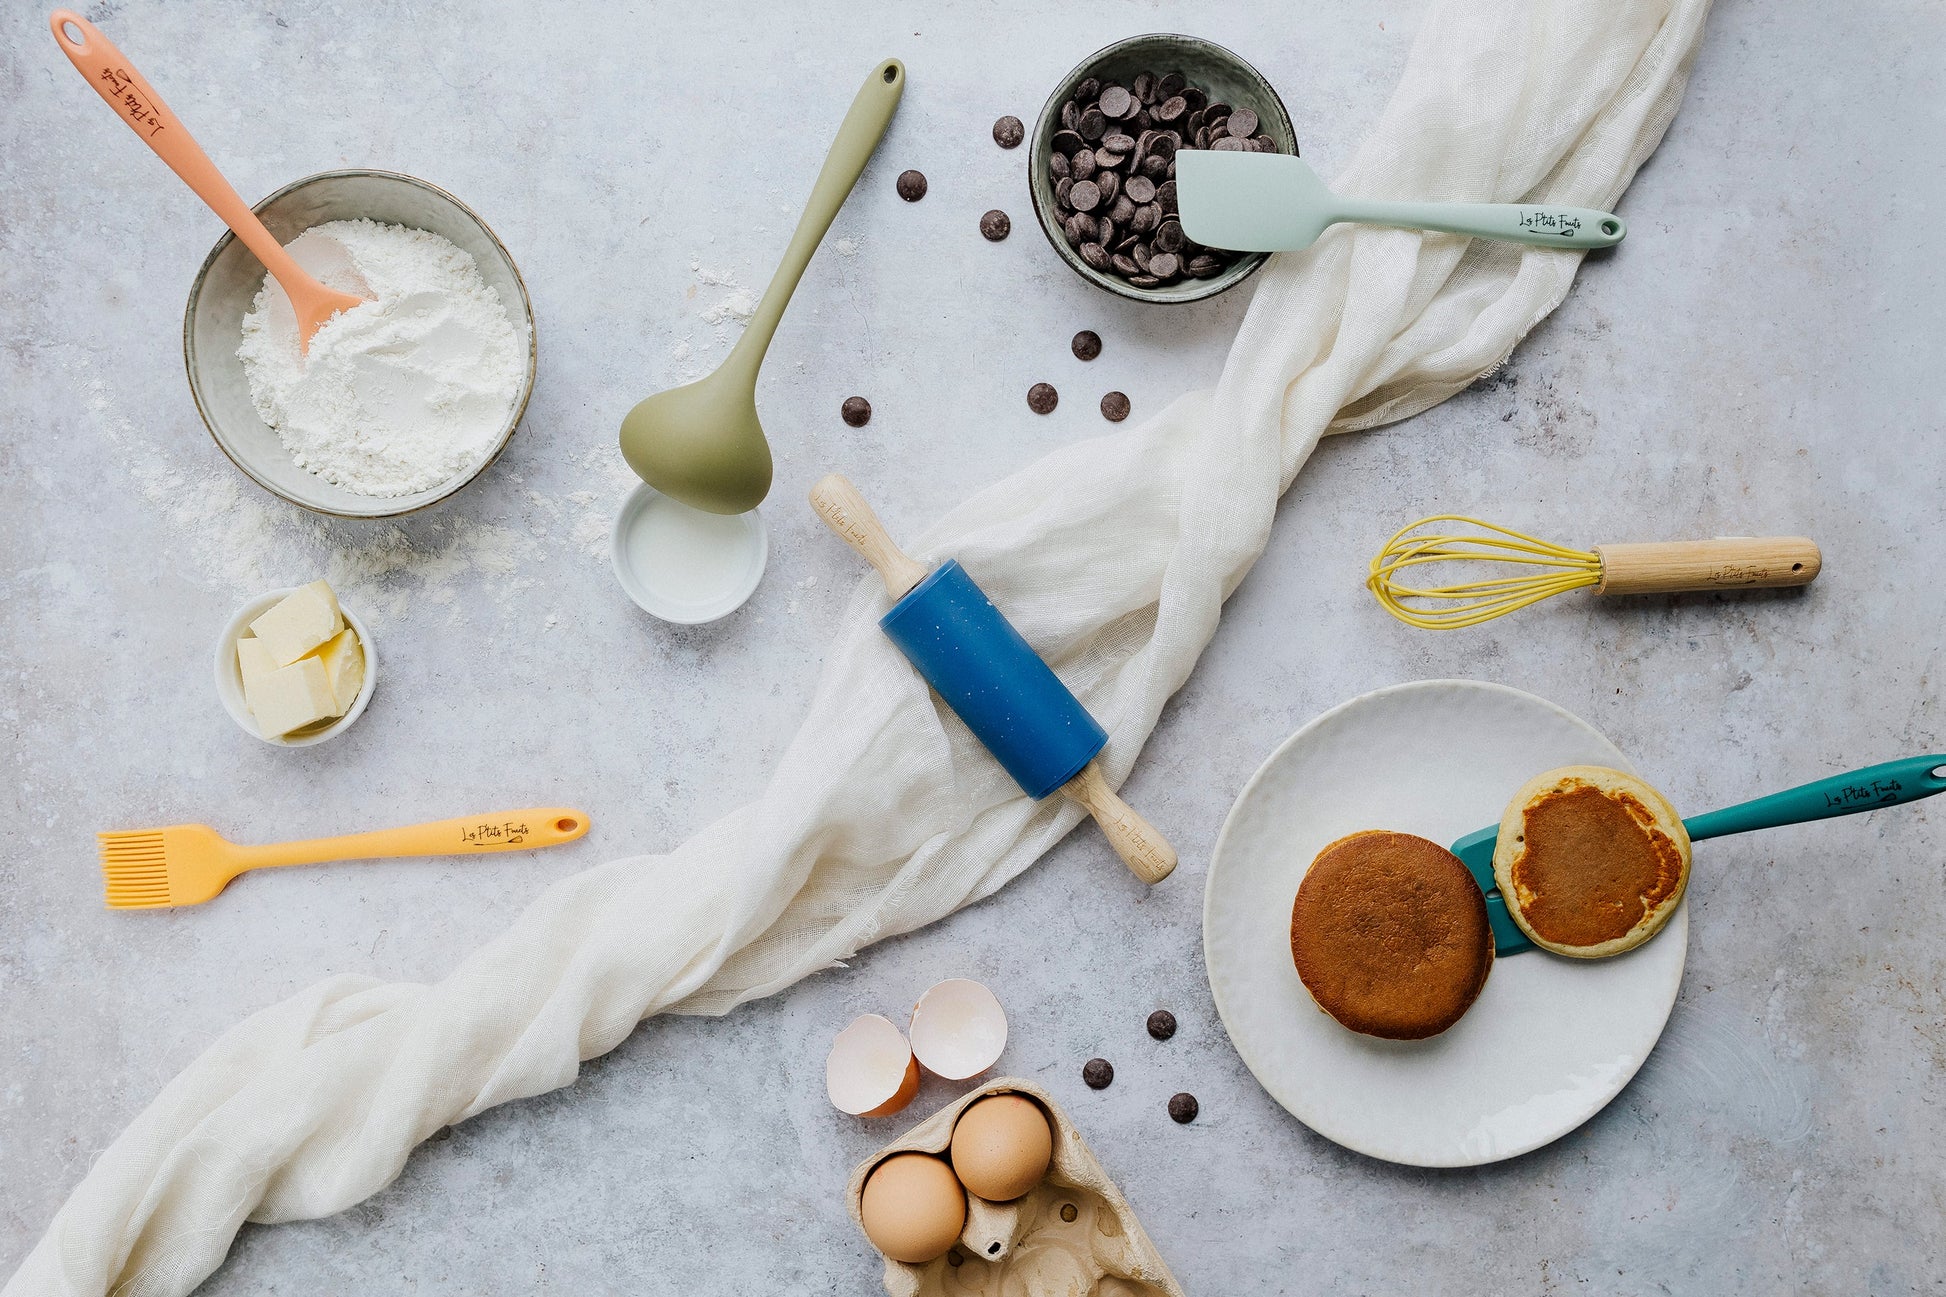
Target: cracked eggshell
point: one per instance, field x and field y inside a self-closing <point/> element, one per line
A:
<point x="870" y="1071"/>
<point x="958" y="1029"/>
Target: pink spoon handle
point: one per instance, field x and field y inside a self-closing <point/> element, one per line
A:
<point x="124" y="90"/>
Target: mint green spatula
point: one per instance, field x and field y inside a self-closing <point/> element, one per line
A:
<point x="1890" y="784"/>
<point x="1273" y="202"/>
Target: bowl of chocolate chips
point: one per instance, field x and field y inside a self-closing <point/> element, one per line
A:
<point x="1102" y="170"/>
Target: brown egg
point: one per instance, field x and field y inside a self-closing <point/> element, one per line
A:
<point x="1002" y="1146"/>
<point x="913" y="1207"/>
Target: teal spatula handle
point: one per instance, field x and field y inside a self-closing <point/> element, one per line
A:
<point x="1540" y="224"/>
<point x="1847" y="794"/>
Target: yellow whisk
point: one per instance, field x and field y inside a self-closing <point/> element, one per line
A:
<point x="1661" y="567"/>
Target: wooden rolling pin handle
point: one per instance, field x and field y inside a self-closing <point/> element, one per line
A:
<point x="1729" y="563"/>
<point x="837" y="501"/>
<point x="1146" y="852"/>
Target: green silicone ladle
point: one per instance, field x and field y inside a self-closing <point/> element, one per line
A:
<point x="702" y="443"/>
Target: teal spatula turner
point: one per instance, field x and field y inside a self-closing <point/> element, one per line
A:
<point x="1847" y="794"/>
<point x="1273" y="202"/>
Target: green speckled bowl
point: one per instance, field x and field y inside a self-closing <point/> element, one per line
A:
<point x="1217" y="70"/>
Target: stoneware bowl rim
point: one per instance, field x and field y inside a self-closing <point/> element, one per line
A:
<point x="229" y="680"/>
<point x="1276" y="120"/>
<point x="420" y="500"/>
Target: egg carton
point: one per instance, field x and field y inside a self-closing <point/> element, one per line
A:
<point x="1029" y="1247"/>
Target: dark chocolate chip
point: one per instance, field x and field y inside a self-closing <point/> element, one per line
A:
<point x="1088" y="89"/>
<point x="1144" y="281"/>
<point x="1070" y="115"/>
<point x="1098" y="1073"/>
<point x="1228" y="145"/>
<point x="1243" y="123"/>
<point x="1146" y="219"/>
<point x="1109" y="182"/>
<point x="1108" y="159"/>
<point x="1164" y="264"/>
<point x="1081" y="228"/>
<point x="1064" y="191"/>
<point x="1169" y="235"/>
<point x="1123" y="212"/>
<point x="1008" y="132"/>
<point x="1195" y="98"/>
<point x="995" y="225"/>
<point x="1083" y="164"/>
<point x="1183" y="1107"/>
<point x="1114" y="407"/>
<point x="856" y="411"/>
<point x="1057" y="166"/>
<point x="1084" y="196"/>
<point x="1115" y="102"/>
<point x="1068" y="141"/>
<point x="1124" y="265"/>
<point x="1095" y="255"/>
<point x="1171" y="85"/>
<point x="1139" y="254"/>
<point x="1170" y="110"/>
<point x="1218" y="109"/>
<point x="1118" y="143"/>
<point x="1165" y="193"/>
<point x="1144" y="87"/>
<point x="1042" y="398"/>
<point x="911" y="186"/>
<point x="1204" y="266"/>
<point x="1158" y="165"/>
<point x="1140" y="189"/>
<point x="1086" y="345"/>
<point x="1093" y="125"/>
<point x="1162" y="1024"/>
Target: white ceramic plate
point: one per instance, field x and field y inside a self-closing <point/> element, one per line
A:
<point x="1549" y="1042"/>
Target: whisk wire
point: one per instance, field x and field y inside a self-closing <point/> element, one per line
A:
<point x="1470" y="603"/>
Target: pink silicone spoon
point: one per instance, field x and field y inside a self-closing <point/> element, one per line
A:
<point x="108" y="71"/>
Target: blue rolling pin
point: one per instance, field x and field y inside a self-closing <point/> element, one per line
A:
<point x="993" y="680"/>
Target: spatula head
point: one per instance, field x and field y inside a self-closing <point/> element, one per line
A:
<point x="1251" y="202"/>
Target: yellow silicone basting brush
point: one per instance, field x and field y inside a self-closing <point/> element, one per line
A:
<point x="187" y="864"/>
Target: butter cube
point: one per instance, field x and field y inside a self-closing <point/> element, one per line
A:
<point x="344" y="665"/>
<point x="299" y="622"/>
<point x="291" y="697"/>
<point x="253" y="660"/>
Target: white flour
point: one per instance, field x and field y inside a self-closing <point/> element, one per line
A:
<point x="402" y="393"/>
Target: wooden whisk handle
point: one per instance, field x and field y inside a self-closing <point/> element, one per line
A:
<point x="1145" y="851"/>
<point x="844" y="510"/>
<point x="1732" y="562"/>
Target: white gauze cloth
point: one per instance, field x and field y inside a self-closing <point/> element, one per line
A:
<point x="1113" y="557"/>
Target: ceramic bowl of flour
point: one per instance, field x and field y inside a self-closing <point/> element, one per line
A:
<point x="226" y="290"/>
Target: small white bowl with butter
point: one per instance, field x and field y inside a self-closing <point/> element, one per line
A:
<point x="294" y="667"/>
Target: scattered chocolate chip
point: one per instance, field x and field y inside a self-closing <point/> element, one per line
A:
<point x="1162" y="1024"/>
<point x="1098" y="1073"/>
<point x="912" y="186"/>
<point x="1114" y="407"/>
<point x="1008" y="132"/>
<point x="995" y="225"/>
<point x="1086" y="345"/>
<point x="1183" y="1107"/>
<point x="856" y="411"/>
<point x="1042" y="398"/>
<point x="1069" y="1211"/>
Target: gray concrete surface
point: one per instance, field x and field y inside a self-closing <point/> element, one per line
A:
<point x="1762" y="356"/>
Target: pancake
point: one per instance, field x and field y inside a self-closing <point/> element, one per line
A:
<point x="1389" y="934"/>
<point x="1590" y="861"/>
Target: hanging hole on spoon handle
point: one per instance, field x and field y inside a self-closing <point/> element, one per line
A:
<point x="890" y="73"/>
<point x="71" y="29"/>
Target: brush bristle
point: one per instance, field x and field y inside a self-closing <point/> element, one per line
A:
<point x="135" y="870"/>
